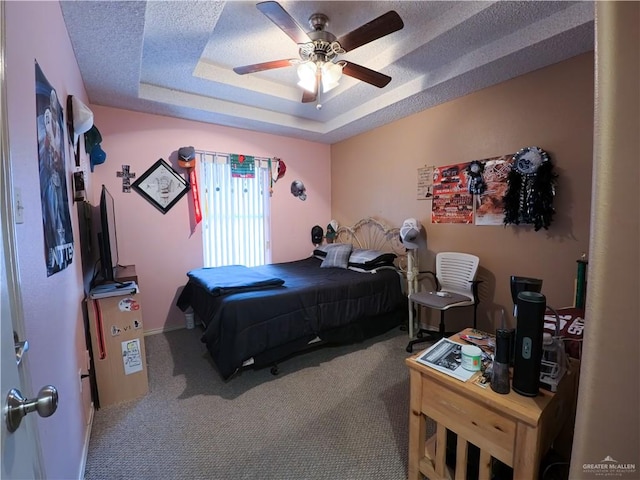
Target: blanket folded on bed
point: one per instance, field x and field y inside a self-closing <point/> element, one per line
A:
<point x="232" y="279"/>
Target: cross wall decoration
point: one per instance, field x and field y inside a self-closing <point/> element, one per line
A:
<point x="126" y="178"/>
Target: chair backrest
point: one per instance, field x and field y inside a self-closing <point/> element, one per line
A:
<point x="456" y="271"/>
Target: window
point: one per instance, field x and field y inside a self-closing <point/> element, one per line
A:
<point x="235" y="213"/>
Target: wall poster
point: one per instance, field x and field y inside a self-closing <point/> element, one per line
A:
<point x="489" y="206"/>
<point x="56" y="220"/>
<point x="425" y="183"/>
<point x="452" y="202"/>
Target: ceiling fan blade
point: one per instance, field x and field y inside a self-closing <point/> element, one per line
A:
<point x="259" y="67"/>
<point x="383" y="25"/>
<point x="366" y="74"/>
<point x="309" y="97"/>
<point x="279" y="16"/>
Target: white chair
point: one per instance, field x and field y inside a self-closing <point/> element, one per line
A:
<point x="456" y="286"/>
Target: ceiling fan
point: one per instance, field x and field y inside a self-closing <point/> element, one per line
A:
<point x="319" y="48"/>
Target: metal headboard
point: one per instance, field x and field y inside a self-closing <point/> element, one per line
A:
<point x="373" y="234"/>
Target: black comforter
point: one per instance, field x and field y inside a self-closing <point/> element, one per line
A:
<point x="331" y="303"/>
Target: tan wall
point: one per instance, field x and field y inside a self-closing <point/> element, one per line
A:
<point x="374" y="174"/>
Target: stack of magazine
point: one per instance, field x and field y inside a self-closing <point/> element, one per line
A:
<point x="446" y="357"/>
<point x="113" y="290"/>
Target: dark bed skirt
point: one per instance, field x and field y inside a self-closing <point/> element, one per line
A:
<point x="267" y="325"/>
<point x="349" y="334"/>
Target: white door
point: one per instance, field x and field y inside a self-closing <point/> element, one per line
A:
<point x="20" y="448"/>
<point x="21" y="456"/>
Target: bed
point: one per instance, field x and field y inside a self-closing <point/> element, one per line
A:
<point x="261" y="315"/>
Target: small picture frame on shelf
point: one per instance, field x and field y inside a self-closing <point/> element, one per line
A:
<point x="161" y="185"/>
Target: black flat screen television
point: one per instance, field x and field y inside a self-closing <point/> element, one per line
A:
<point x="107" y="237"/>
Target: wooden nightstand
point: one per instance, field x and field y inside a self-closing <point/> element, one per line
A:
<point x="513" y="429"/>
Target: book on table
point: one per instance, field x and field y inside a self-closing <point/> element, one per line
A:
<point x="446" y="357"/>
<point x="486" y="341"/>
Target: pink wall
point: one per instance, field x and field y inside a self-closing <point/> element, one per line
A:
<point x="52" y="305"/>
<point x="163" y="247"/>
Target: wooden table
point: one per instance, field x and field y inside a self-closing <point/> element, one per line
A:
<point x="512" y="428"/>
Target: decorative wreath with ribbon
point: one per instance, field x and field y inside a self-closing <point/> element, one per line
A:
<point x="477" y="184"/>
<point x="531" y="189"/>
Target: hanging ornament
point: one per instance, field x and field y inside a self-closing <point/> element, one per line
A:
<point x="477" y="184"/>
<point x="531" y="189"/>
<point x="187" y="159"/>
<point x="270" y="168"/>
<point x="277" y="169"/>
<point x="195" y="192"/>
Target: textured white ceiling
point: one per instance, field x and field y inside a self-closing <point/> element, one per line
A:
<point x="176" y="58"/>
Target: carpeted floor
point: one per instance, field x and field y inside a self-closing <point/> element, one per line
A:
<point x="336" y="413"/>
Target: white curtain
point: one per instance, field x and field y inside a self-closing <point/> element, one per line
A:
<point x="235" y="213"/>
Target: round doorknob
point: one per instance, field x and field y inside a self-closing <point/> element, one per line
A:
<point x="18" y="406"/>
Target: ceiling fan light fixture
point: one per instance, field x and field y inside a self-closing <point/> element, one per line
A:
<point x="331" y="74"/>
<point x="307" y="76"/>
<point x="328" y="85"/>
<point x="317" y="49"/>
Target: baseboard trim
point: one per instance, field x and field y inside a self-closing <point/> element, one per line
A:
<point x="155" y="331"/>
<point x="430" y="328"/>
<point x="87" y="439"/>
